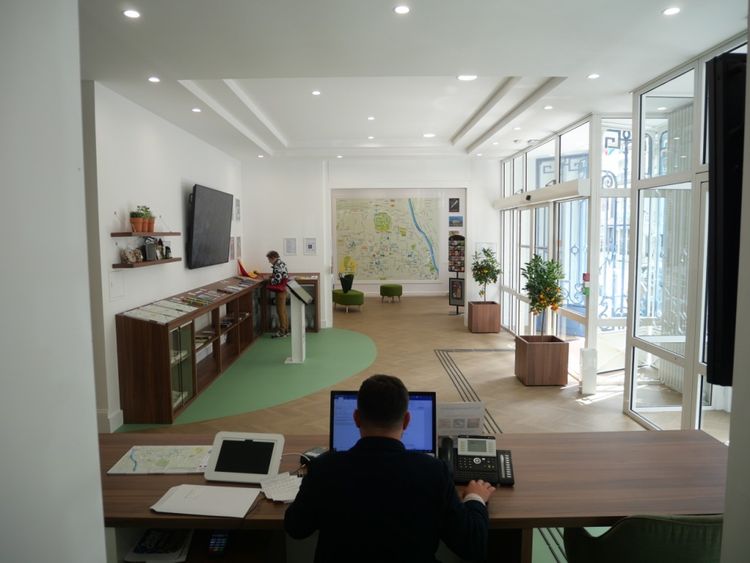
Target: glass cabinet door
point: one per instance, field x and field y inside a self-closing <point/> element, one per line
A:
<point x="181" y="365"/>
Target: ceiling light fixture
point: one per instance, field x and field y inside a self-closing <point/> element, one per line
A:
<point x="154" y="79"/>
<point x="661" y="108"/>
<point x="495" y="143"/>
<point x="371" y="118"/>
<point x="339" y="156"/>
<point x="132" y="14"/>
<point x="371" y="137"/>
<point x="467" y="77"/>
<point x="671" y="11"/>
<point x="428" y="135"/>
<point x="479" y="154"/>
<point x="517" y="128"/>
<point x="316" y="92"/>
<point x="592" y="76"/>
<point x="402" y="10"/>
<point x="548" y="107"/>
<point x="196" y="110"/>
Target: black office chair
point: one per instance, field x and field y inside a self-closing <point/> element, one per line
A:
<point x="649" y="539"/>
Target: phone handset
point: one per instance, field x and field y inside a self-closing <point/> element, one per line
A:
<point x="446" y="451"/>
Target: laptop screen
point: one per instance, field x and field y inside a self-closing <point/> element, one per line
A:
<point x="419" y="436"/>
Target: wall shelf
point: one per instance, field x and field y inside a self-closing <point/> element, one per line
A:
<point x="148" y="234"/>
<point x="146" y="263"/>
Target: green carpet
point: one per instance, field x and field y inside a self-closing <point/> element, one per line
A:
<point x="260" y="378"/>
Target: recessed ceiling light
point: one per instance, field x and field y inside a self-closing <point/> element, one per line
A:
<point x="671" y="11"/>
<point x="260" y="156"/>
<point x="371" y="118"/>
<point x="479" y="154"/>
<point x="196" y="110"/>
<point x="661" y="108"/>
<point x="154" y="79"/>
<point x="495" y="143"/>
<point x="371" y="137"/>
<point x="132" y="14"/>
<point x="339" y="156"/>
<point x="548" y="107"/>
<point x="467" y="77"/>
<point x="676" y="138"/>
<point x="516" y="128"/>
<point x="683" y="156"/>
<point x="428" y="135"/>
<point x="402" y="10"/>
<point x="316" y="92"/>
<point x="592" y="76"/>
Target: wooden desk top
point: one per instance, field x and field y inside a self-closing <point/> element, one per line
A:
<point x="562" y="479"/>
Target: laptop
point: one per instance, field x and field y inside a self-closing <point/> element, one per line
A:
<point x="420" y="435"/>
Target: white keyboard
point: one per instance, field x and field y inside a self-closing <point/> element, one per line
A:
<point x="282" y="487"/>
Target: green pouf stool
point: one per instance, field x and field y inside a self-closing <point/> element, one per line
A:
<point x="348" y="299"/>
<point x="391" y="290"/>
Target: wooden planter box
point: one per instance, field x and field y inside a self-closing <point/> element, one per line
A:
<point x="484" y="316"/>
<point x="541" y="360"/>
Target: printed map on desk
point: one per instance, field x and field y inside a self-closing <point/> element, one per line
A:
<point x="162" y="459"/>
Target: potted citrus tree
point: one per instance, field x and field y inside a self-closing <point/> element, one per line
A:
<point x="542" y="359"/>
<point x="484" y="316"/>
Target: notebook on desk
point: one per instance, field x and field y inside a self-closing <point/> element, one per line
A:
<point x="420" y="435"/>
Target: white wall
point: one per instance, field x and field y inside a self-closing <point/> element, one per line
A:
<point x="50" y="498"/>
<point x="143" y="159"/>
<point x="737" y="512"/>
<point x="303" y="188"/>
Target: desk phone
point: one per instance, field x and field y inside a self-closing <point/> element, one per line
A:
<point x="476" y="457"/>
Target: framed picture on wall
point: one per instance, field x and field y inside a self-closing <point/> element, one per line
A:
<point x="454" y="204"/>
<point x="231" y="248"/>
<point x="455" y="220"/>
<point x="456" y="292"/>
<point x="310" y="247"/>
<point x="290" y="247"/>
<point x="236" y="209"/>
<point x="238" y="247"/>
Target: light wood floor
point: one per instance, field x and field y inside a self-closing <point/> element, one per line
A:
<point x="407" y="335"/>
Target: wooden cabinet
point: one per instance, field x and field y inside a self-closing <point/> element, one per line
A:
<point x="170" y="350"/>
<point x="166" y="359"/>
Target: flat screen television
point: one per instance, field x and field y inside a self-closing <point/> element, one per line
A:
<point x="209" y="226"/>
<point x="725" y="90"/>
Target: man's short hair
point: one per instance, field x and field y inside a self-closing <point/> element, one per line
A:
<point x="272" y="254"/>
<point x="382" y="401"/>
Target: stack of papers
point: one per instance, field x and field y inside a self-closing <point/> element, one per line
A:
<point x="232" y="502"/>
<point x="282" y="487"/>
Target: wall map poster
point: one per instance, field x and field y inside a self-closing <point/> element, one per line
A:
<point x="388" y="239"/>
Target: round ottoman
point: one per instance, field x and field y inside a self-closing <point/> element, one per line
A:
<point x="391" y="290"/>
<point x="348" y="299"/>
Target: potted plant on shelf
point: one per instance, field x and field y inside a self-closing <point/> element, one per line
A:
<point x="484" y="316"/>
<point x="148" y="218"/>
<point x="136" y="221"/>
<point x="542" y="359"/>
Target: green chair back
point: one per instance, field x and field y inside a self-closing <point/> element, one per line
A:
<point x="649" y="539"/>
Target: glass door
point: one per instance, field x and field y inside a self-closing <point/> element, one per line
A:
<point x="181" y="365"/>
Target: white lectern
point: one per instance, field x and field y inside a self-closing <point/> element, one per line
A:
<point x="299" y="298"/>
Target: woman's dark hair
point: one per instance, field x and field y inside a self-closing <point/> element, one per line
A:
<point x="382" y="401"/>
<point x="272" y="254"/>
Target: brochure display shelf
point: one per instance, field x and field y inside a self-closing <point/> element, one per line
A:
<point x="169" y="351"/>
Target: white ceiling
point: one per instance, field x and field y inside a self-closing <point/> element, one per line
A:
<point x="251" y="66"/>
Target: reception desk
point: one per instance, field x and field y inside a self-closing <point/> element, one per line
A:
<point x="562" y="480"/>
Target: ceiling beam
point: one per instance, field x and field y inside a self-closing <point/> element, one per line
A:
<point x="256" y="111"/>
<point x="211" y="102"/>
<point x="546" y="87"/>
<point x="486" y="107"/>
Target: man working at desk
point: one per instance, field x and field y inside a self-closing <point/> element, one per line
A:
<point x="378" y="502"/>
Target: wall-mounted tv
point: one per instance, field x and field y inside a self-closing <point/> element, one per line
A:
<point x="209" y="226"/>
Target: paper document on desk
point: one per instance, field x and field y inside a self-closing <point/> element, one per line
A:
<point x="232" y="502"/>
<point x="459" y="418"/>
